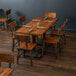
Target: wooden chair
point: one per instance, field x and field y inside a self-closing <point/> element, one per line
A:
<point x="56" y="41"/>
<point x="7" y="12"/>
<point x="51" y="15"/>
<point x="11" y="28"/>
<point x="24" y="45"/>
<point x="62" y="32"/>
<point x="8" y="58"/>
<point x="21" y="21"/>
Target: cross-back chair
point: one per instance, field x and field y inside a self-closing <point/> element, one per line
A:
<point x="25" y="45"/>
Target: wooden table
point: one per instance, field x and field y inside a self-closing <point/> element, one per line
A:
<point x="5" y="71"/>
<point x="34" y="24"/>
<point x="3" y="20"/>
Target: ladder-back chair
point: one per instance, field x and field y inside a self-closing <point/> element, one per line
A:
<point x="24" y="45"/>
<point x="56" y="40"/>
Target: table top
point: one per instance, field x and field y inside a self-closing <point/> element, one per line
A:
<point x="3" y="19"/>
<point x="5" y="71"/>
<point x="37" y="26"/>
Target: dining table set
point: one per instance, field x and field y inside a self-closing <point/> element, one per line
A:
<point x="37" y="27"/>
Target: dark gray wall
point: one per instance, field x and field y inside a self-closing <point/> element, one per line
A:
<point x="33" y="8"/>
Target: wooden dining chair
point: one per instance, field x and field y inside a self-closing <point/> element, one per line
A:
<point x="62" y="32"/>
<point x="50" y="15"/>
<point x="55" y="40"/>
<point x="7" y="12"/>
<point x="8" y="58"/>
<point x="11" y="28"/>
<point x="21" y="21"/>
<point x="24" y="45"/>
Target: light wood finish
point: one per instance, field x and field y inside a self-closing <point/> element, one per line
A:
<point x="52" y="40"/>
<point x="3" y="19"/>
<point x="34" y="25"/>
<point x="6" y="71"/>
<point x="50" y="14"/>
<point x="31" y="46"/>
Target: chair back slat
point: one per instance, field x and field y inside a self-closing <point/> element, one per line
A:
<point x="22" y="19"/>
<point x="50" y="14"/>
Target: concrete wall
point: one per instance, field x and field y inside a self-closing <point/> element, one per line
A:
<point x="33" y="8"/>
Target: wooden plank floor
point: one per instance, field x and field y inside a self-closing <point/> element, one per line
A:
<point x="65" y="65"/>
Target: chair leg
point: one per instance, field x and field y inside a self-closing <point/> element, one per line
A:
<point x="9" y="65"/>
<point x="31" y="62"/>
<point x="13" y="44"/>
<point x="0" y="64"/>
<point x="54" y="27"/>
<point x="64" y="39"/>
<point x="18" y="57"/>
<point x="56" y="51"/>
<point x="5" y="26"/>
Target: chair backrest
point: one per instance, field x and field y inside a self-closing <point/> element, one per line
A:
<point x="50" y="14"/>
<point x="22" y="19"/>
<point x="7" y="12"/>
<point x="22" y="38"/>
<point x="2" y="14"/>
<point x="12" y="25"/>
<point x="8" y="58"/>
<point x="65" y="22"/>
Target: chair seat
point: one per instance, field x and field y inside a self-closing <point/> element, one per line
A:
<point x="53" y="40"/>
<point x="31" y="46"/>
<point x="55" y="32"/>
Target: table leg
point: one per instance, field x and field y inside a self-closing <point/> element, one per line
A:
<point x="33" y="38"/>
<point x="13" y="40"/>
<point x="5" y="26"/>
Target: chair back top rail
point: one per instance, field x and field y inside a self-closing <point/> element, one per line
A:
<point x="50" y="14"/>
<point x="12" y="25"/>
<point x="22" y="19"/>
<point x="63" y="25"/>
